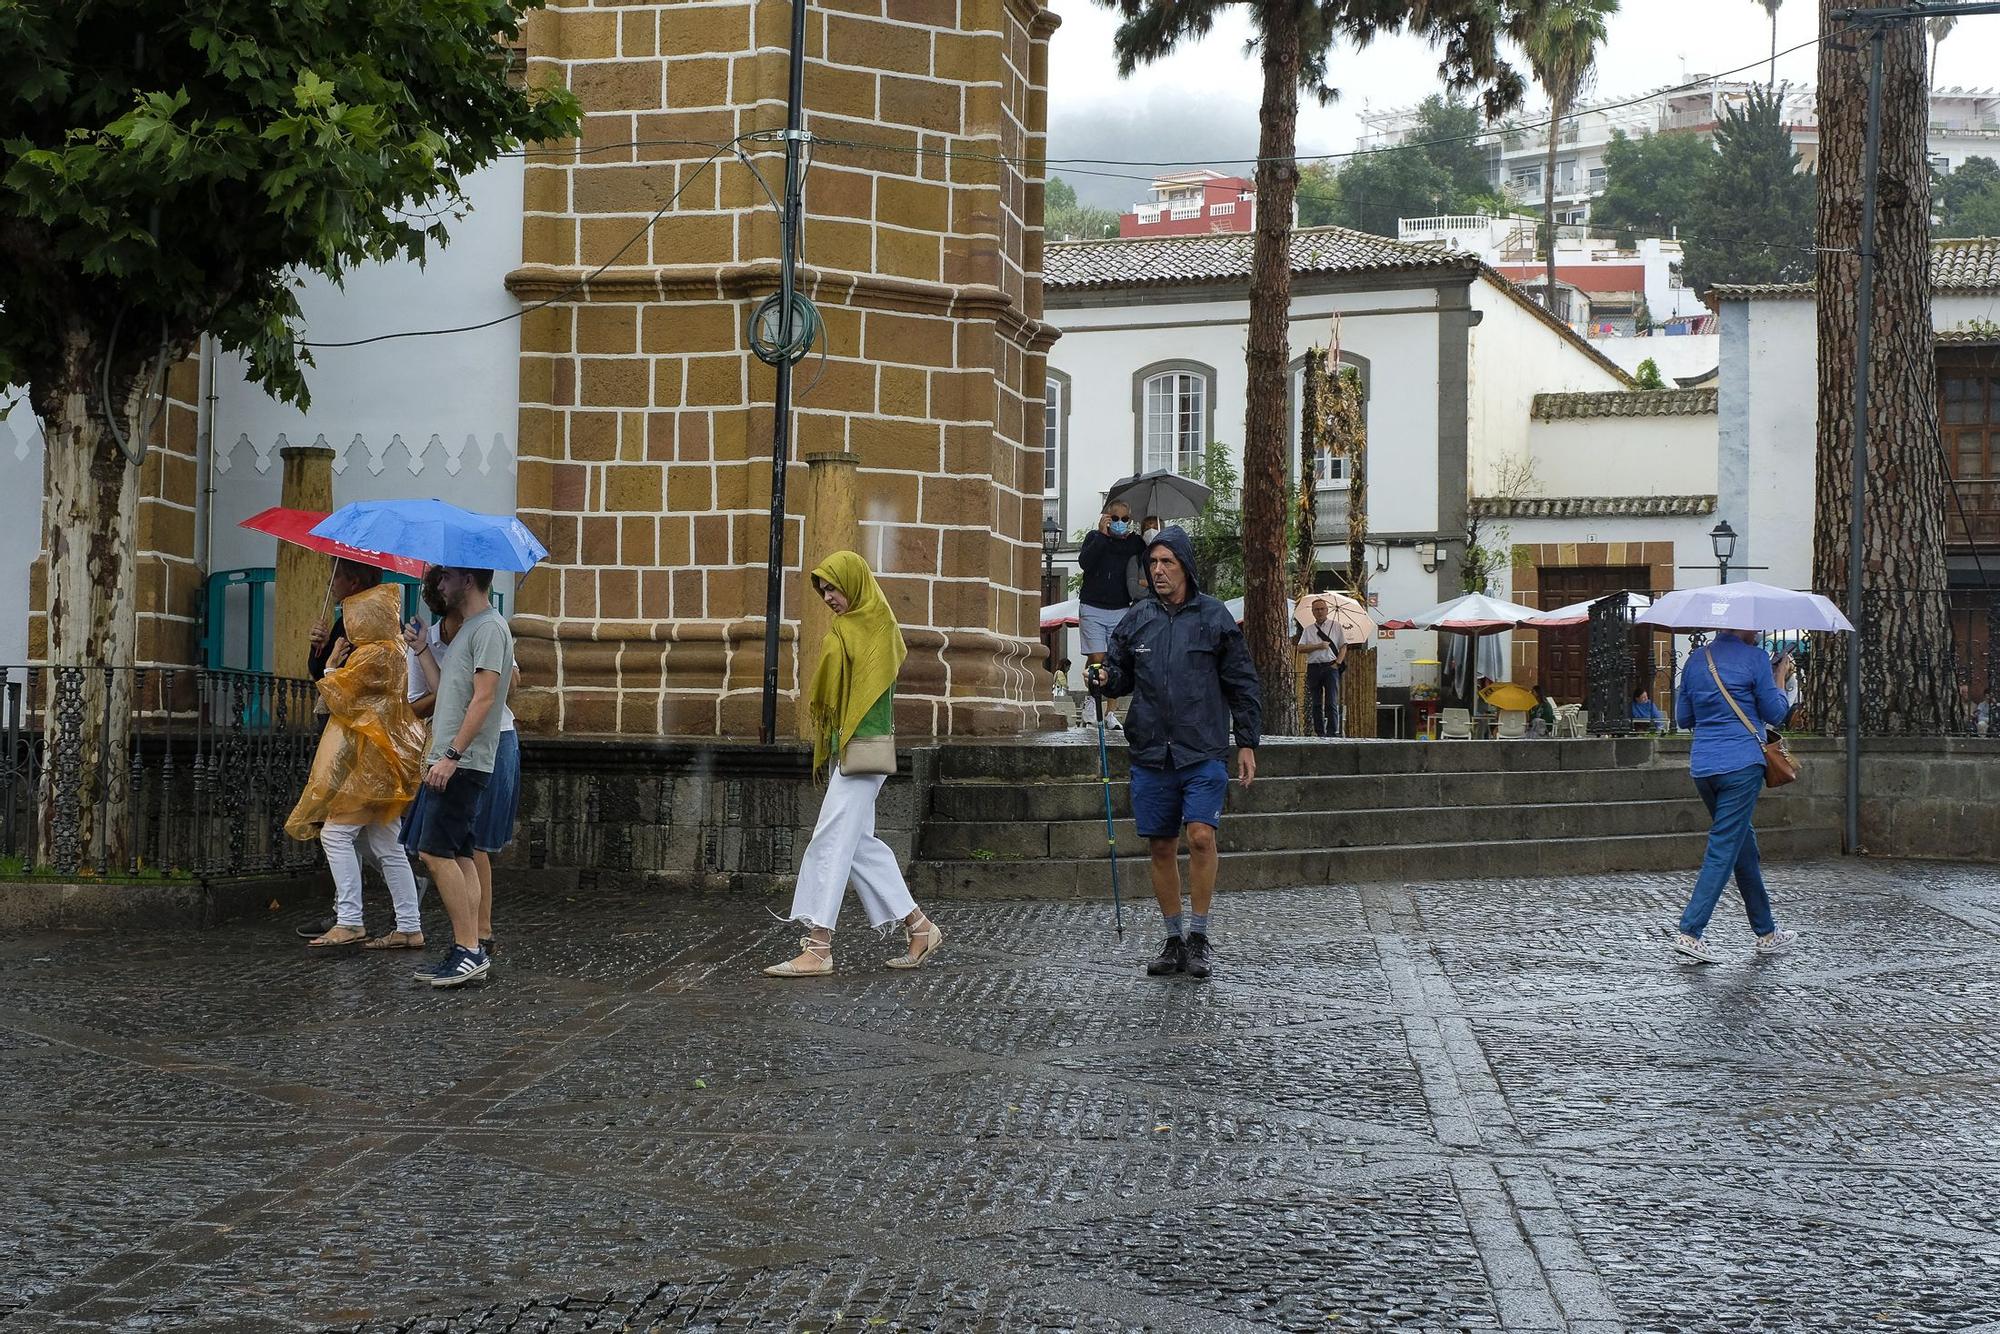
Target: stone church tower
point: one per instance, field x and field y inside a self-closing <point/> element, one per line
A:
<point x="645" y="434"/>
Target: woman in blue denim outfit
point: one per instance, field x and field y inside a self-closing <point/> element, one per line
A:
<point x="1727" y="765"/>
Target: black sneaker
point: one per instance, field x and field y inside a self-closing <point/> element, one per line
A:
<point x="1173" y="958"/>
<point x="1200" y="959"/>
<point x="314" y="929"/>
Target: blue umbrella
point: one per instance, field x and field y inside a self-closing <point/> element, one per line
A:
<point x="433" y="531"/>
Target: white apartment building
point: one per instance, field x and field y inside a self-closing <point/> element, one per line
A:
<point x="1610" y="279"/>
<point x="1965" y="122"/>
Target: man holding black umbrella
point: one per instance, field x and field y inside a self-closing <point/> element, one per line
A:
<point x="1182" y="658"/>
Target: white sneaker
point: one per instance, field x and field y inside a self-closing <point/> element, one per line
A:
<point x="1777" y="942"/>
<point x="1111" y="721"/>
<point x="1693" y="949"/>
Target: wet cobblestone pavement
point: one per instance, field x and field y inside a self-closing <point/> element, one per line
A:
<point x="1494" y="1106"/>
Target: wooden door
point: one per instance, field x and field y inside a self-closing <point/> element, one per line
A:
<point x="1564" y="653"/>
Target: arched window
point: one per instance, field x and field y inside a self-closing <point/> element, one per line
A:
<point x="1329" y="469"/>
<point x="1174" y="407"/>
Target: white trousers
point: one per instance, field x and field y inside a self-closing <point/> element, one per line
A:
<point x="843" y="848"/>
<point x="380" y="843"/>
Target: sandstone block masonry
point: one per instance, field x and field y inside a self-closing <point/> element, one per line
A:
<point x="645" y="437"/>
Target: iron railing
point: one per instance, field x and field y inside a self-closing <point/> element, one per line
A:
<point x="128" y="771"/>
<point x="1965" y="655"/>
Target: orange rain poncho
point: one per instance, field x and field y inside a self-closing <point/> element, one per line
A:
<point x="370" y="758"/>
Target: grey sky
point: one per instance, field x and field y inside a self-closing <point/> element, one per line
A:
<point x="1202" y="103"/>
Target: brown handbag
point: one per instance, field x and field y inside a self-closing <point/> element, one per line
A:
<point x="1779" y="766"/>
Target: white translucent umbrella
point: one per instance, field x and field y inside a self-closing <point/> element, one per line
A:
<point x="1578" y="613"/>
<point x="1469" y="614"/>
<point x="1059" y="614"/>
<point x="1356" y="625"/>
<point x="1744" y="606"/>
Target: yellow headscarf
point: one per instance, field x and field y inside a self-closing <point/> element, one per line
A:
<point x="860" y="658"/>
<point x="370" y="757"/>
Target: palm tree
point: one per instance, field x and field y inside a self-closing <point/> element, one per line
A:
<point x="1294" y="40"/>
<point x="1771" y="8"/>
<point x="1939" y="28"/>
<point x="1561" y="43"/>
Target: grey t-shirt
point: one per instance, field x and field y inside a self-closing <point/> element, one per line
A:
<point x="483" y="644"/>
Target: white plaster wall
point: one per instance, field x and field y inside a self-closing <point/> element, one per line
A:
<point x="1679" y="356"/>
<point x="20" y="519"/>
<point x="1624" y="456"/>
<point x="1780" y="379"/>
<point x="411" y="417"/>
<point x="1514" y="357"/>
<point x="1101" y="349"/>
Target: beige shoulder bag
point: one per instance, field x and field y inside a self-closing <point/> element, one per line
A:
<point x="869" y="755"/>
<point x="1779" y="766"/>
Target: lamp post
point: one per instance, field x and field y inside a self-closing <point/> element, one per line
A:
<point x="1722" y="540"/>
<point x="1052" y="535"/>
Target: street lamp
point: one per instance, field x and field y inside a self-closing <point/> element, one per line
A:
<point x="1722" y="540"/>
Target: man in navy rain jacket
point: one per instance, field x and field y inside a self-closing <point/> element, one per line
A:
<point x="1181" y="657"/>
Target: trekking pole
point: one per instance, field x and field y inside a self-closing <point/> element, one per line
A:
<point x="1110" y="830"/>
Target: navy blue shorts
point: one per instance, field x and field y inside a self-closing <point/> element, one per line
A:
<point x="493" y="824"/>
<point x="446" y="830"/>
<point x="1166" y="800"/>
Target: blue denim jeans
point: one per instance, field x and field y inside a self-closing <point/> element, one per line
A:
<point x="1731" y="799"/>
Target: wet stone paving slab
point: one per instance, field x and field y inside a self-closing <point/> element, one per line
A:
<point x="1439" y="1107"/>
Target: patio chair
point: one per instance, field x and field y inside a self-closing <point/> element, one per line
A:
<point x="1455" y="725"/>
<point x="1569" y="720"/>
<point x="1513" y="725"/>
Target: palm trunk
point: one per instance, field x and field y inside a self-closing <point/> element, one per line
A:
<point x="1774" y="51"/>
<point x="1268" y="357"/>
<point x="1313" y="405"/>
<point x="90" y="519"/>
<point x="1558" y="108"/>
<point x="1906" y="638"/>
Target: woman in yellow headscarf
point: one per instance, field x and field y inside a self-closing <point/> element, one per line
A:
<point x="366" y="771"/>
<point x="851" y="708"/>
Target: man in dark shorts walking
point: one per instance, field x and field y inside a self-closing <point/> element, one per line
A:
<point x="1181" y="657"/>
<point x="465" y="737"/>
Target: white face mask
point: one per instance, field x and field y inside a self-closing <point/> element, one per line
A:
<point x="1150" y="534"/>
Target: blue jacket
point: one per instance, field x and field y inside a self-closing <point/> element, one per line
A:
<point x="1722" y="744"/>
<point x="1188" y="672"/>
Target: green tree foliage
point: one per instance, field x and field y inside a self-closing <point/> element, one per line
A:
<point x="1753" y="219"/>
<point x="1440" y="169"/>
<point x="1967" y="202"/>
<point x="171" y="167"/>
<point x="1648" y="376"/>
<point x="1217" y="532"/>
<point x="1561" y="45"/>
<point x="1064" y="219"/>
<point x="1652" y="182"/>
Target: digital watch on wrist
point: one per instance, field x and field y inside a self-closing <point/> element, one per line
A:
<point x="452" y="755"/>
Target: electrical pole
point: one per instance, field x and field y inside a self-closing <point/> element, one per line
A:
<point x="781" y="415"/>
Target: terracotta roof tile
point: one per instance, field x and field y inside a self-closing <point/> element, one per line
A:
<point x="1225" y="256"/>
<point x="1970" y="264"/>
<point x="1591" y="507"/>
<point x="1632" y="403"/>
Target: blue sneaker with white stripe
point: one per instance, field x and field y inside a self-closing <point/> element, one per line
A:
<point x="460" y="966"/>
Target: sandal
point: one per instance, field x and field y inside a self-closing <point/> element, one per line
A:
<point x="396" y="940"/>
<point x="337" y="937"/>
<point x="931" y="937"/>
<point x="820" y="951"/>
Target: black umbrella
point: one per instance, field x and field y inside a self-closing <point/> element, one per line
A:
<point x="1162" y="494"/>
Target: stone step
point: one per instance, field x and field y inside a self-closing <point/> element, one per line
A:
<point x="1090" y="879"/>
<point x="1326" y="829"/>
<point x="1284" y="757"/>
<point x="1083" y="799"/>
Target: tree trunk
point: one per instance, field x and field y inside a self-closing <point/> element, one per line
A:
<point x="1908" y="681"/>
<point x="1774" y="51"/>
<point x="1558" y="108"/>
<point x="1268" y="359"/>
<point x="90" y="520"/>
<point x="1313" y="390"/>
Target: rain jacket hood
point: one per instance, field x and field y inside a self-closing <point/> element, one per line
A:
<point x="1188" y="672"/>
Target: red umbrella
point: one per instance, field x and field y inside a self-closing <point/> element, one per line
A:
<point x="295" y="526"/>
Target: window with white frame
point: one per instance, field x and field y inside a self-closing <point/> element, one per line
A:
<point x="1176" y="420"/>
<point x="1052" y="435"/>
